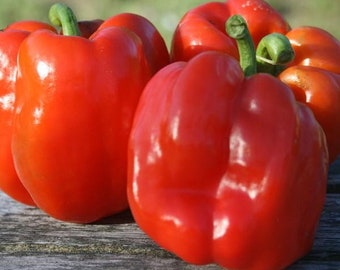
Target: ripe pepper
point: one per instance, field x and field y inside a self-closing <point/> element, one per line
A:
<point x="10" y="40"/>
<point x="154" y="45"/>
<point x="75" y="101"/>
<point x="226" y="168"/>
<point x="314" y="77"/>
<point x="203" y="27"/>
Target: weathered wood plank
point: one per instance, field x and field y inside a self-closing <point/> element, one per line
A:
<point x="326" y="250"/>
<point x="29" y="239"/>
<point x="334" y="177"/>
<point x="32" y="240"/>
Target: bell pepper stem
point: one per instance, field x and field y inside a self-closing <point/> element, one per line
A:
<point x="273" y="53"/>
<point x="237" y="29"/>
<point x="61" y="15"/>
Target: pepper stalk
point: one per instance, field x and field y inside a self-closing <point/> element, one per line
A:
<point x="274" y="51"/>
<point x="62" y="16"/>
<point x="236" y="27"/>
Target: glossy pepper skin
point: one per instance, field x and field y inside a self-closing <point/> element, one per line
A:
<point x="203" y="27"/>
<point x="225" y="168"/>
<point x="76" y="99"/>
<point x="10" y="40"/>
<point x="154" y="45"/>
<point x="314" y="77"/>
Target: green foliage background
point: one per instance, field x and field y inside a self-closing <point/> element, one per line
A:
<point x="166" y="14"/>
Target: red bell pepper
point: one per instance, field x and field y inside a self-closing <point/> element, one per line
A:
<point x="203" y="27"/>
<point x="226" y="168"/>
<point x="10" y="40"/>
<point x="315" y="47"/>
<point x="75" y="101"/>
<point x="154" y="45"/>
<point x="314" y="77"/>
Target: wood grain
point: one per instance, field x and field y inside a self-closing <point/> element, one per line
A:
<point x="29" y="239"/>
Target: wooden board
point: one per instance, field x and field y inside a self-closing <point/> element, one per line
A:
<point x="29" y="239"/>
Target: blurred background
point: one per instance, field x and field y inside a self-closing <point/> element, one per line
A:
<point x="166" y="14"/>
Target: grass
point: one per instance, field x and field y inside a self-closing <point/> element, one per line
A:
<point x="166" y="14"/>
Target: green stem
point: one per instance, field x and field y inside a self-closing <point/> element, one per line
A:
<point x="273" y="53"/>
<point x="61" y="15"/>
<point x="237" y="28"/>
